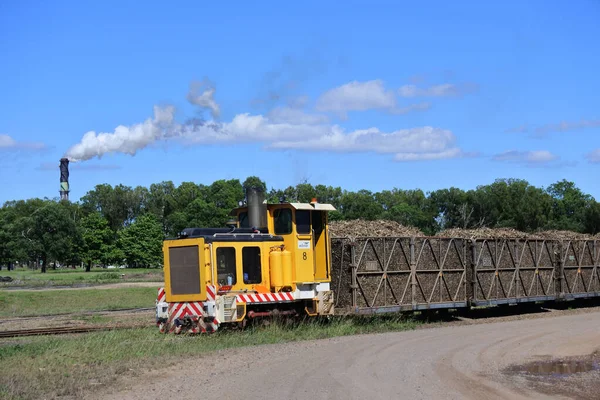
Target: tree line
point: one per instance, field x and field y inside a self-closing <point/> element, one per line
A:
<point x="125" y="225"/>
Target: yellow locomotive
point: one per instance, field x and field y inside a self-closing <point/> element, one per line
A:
<point x="273" y="259"/>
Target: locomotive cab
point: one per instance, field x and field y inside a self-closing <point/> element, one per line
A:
<point x="304" y="229"/>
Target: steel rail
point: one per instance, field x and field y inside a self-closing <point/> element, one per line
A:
<point x="62" y="330"/>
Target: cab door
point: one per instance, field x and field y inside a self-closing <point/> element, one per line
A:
<point x="305" y="262"/>
<point x="320" y="245"/>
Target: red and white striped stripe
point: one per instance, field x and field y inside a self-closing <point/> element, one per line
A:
<point x="180" y="310"/>
<point x="264" y="297"/>
<point x="162" y="295"/>
<point x="211" y="293"/>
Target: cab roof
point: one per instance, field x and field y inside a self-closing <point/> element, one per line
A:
<point x="296" y="206"/>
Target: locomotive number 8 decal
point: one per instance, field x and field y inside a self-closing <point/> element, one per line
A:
<point x="304" y="257"/>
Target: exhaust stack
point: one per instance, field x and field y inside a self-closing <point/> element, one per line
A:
<point x="64" y="179"/>
<point x="257" y="208"/>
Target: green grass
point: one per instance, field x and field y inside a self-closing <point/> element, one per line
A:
<point x="15" y="303"/>
<point x="72" y="277"/>
<point x="70" y="366"/>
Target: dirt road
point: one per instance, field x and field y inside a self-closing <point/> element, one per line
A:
<point x="455" y="362"/>
<point x="119" y="285"/>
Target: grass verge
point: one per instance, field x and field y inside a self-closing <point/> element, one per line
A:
<point x="31" y="303"/>
<point x="71" y="366"/>
<point x="73" y="277"/>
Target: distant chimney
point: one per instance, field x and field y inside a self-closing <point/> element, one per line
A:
<point x="64" y="179"/>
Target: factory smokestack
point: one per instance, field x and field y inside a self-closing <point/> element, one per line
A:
<point x="64" y="179"/>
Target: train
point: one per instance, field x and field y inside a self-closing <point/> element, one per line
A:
<point x="279" y="259"/>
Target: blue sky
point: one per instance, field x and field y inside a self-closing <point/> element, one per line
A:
<point x="368" y="95"/>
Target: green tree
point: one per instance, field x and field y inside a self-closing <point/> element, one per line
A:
<point x="7" y="217"/>
<point x="448" y="205"/>
<point x="360" y="205"/>
<point x="592" y="218"/>
<point x="51" y="231"/>
<point x="141" y="242"/>
<point x="569" y="206"/>
<point x="254" y="182"/>
<point x="96" y="239"/>
<point x="329" y="194"/>
<point x="510" y="203"/>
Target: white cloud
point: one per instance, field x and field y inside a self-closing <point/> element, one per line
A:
<point x="442" y="90"/>
<point x="8" y="143"/>
<point x="594" y="156"/>
<point x="295" y="116"/>
<point x="362" y="96"/>
<point x="453" y="152"/>
<point x="416" y="140"/>
<point x="357" y="96"/>
<point x="529" y="158"/>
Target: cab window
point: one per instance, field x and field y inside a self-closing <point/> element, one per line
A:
<point x="303" y="221"/>
<point x="283" y="221"/>
<point x="243" y="219"/>
<point x="251" y="265"/>
<point x="226" y="266"/>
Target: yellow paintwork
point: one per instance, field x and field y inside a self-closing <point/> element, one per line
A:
<point x="276" y="270"/>
<point x="240" y="286"/>
<point x="287" y="269"/>
<point x="323" y="244"/>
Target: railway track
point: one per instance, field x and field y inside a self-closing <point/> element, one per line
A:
<point x="96" y="312"/>
<point x="59" y="330"/>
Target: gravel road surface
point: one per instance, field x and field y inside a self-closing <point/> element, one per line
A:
<point x="451" y="362"/>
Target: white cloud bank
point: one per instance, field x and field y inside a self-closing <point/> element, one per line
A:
<point x="536" y="158"/>
<point x="357" y="96"/>
<point x="363" y="96"/>
<point x="282" y="128"/>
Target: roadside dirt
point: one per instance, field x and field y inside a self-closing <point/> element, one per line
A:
<point x="467" y="360"/>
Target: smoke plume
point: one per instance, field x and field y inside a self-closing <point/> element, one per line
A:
<point x="124" y="139"/>
<point x="201" y="94"/>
